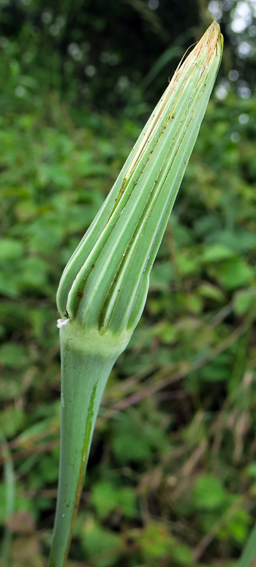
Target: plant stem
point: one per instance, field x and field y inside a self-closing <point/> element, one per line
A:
<point x="85" y="371"/>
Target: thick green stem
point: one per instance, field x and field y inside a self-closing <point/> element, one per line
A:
<point x="85" y="371"/>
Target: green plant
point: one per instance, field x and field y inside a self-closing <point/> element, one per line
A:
<point x="180" y="402"/>
<point x="104" y="286"/>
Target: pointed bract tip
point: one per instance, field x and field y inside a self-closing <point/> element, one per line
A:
<point x="212" y="39"/>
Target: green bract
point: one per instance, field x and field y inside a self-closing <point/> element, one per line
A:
<point x="104" y="286"/>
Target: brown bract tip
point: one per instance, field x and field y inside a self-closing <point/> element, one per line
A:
<point x="212" y="41"/>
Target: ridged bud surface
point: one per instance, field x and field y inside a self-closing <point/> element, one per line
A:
<point x="106" y="281"/>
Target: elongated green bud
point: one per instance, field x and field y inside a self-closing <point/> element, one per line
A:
<point x="104" y="286"/>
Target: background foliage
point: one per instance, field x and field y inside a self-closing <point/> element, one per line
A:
<point x="172" y="473"/>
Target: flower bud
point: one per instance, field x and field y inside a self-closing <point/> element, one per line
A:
<point x="105" y="283"/>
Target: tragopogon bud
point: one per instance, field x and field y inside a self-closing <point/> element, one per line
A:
<point x="105" y="283"/>
<point x="104" y="286"/>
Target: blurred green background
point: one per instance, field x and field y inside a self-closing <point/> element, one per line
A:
<point x="172" y="475"/>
